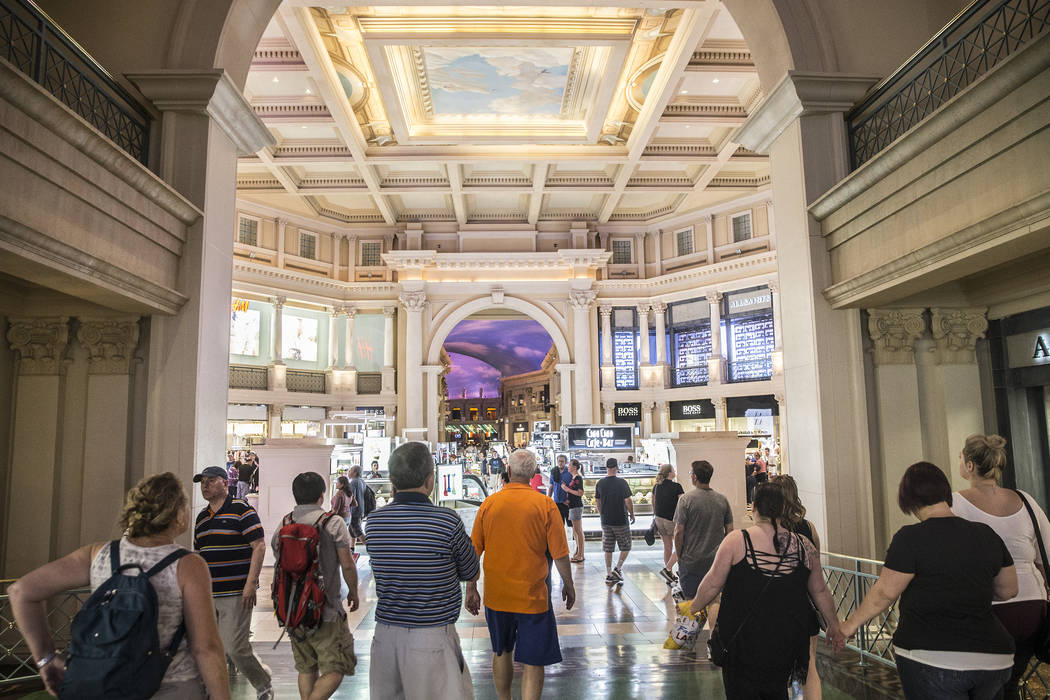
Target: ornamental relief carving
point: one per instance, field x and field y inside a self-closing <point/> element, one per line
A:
<point x="956" y="332"/>
<point x="110" y="343"/>
<point x="414" y="301"/>
<point x="39" y="342"/>
<point x="582" y="299"/>
<point x="894" y="332"/>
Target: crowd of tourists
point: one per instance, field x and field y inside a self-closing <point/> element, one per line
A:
<point x="968" y="576"/>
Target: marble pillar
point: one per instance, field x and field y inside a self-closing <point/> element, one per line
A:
<point x="581" y="301"/>
<point x="389" y="385"/>
<point x="564" y="371"/>
<point x="721" y="420"/>
<point x="333" y="336"/>
<point x="277" y="349"/>
<point x="645" y="355"/>
<point x="716" y="365"/>
<point x="350" y="312"/>
<point x="414" y="302"/>
<point x="433" y="373"/>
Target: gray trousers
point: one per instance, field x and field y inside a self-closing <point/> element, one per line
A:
<point x="234" y="622"/>
<point x="418" y="663"/>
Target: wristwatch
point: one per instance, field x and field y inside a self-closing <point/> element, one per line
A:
<point x="46" y="660"/>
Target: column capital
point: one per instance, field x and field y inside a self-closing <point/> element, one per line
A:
<point x="608" y="406"/>
<point x="649" y="405"/>
<point x="894" y="332"/>
<point x="389" y="310"/>
<point x="713" y="295"/>
<point x="278" y="302"/>
<point x="414" y="301"/>
<point x="349" y="310"/>
<point x="956" y="332"/>
<point x="658" y="307"/>
<point x="39" y="342"/>
<point x="774" y="285"/>
<point x="781" y="399"/>
<point x="335" y="310"/>
<point x="644" y="309"/>
<point x="606" y="311"/>
<point x="582" y="299"/>
<point x="110" y="343"/>
<point x="719" y="402"/>
<point x="564" y="367"/>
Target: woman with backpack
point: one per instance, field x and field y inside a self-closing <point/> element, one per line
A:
<point x="156" y="511"/>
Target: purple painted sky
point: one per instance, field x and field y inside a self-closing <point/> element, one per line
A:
<point x="482" y="350"/>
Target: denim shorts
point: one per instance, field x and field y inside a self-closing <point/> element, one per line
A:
<point x="532" y="636"/>
<point x="575" y="514"/>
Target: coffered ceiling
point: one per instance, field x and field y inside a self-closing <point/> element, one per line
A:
<point x="501" y="114"/>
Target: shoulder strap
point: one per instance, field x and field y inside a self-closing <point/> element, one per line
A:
<point x="114" y="557"/>
<point x="1038" y="535"/>
<point x="167" y="561"/>
<point x="323" y="520"/>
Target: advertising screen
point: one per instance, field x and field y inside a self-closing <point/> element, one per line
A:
<point x="244" y="332"/>
<point x="299" y="338"/>
<point x="450" y="482"/>
<point x="368" y="342"/>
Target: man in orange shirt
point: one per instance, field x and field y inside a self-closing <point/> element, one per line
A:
<point x="517" y="532"/>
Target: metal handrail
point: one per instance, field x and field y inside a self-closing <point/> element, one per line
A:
<point x="16" y="662"/>
<point x="39" y="48"/>
<point x="982" y="35"/>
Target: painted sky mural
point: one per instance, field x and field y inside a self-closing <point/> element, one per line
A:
<point x="484" y="350"/>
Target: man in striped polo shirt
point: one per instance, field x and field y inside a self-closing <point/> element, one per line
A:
<point x="419" y="553"/>
<point x="229" y="536"/>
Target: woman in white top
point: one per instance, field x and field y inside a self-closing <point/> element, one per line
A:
<point x="981" y="463"/>
<point x="155" y="513"/>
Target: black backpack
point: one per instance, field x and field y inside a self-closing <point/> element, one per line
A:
<point x="370" y="500"/>
<point x="114" y="651"/>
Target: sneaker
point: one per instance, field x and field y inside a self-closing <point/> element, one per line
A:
<point x="618" y="574"/>
<point x="610" y="579"/>
<point x="267" y="693"/>
<point x="668" y="576"/>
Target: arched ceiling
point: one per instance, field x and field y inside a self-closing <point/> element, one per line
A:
<point x="524" y="114"/>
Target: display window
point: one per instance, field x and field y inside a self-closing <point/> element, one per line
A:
<point x="690" y="335"/>
<point x="693" y="426"/>
<point x="245" y="429"/>
<point x="750" y="335"/>
<point x="300" y="428"/>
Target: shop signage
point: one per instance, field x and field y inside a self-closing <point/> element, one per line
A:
<point x="600" y="437"/>
<point x="521" y="427"/>
<point x="627" y="412"/>
<point x="450" y="482"/>
<point x="372" y="410"/>
<point x="239" y="305"/>
<point x="1028" y="349"/>
<point x="541" y="426"/>
<point x="547" y="439"/>
<point x="692" y="410"/>
<point x="746" y="303"/>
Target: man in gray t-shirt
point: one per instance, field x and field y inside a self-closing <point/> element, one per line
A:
<point x="701" y="521"/>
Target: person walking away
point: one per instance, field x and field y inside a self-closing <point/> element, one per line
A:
<point x="612" y="496"/>
<point x="702" y="520"/>
<point x="156" y="511"/>
<point x="946" y="572"/>
<point x="245" y="475"/>
<point x="556" y="488"/>
<point x="767" y="577"/>
<point x="794" y="520"/>
<point x="229" y="535"/>
<point x="574" y="495"/>
<point x="419" y="554"/>
<point x="517" y="533"/>
<point x="666" y="493"/>
<point x="357" y="510"/>
<point x="343" y="499"/>
<point x="981" y="462"/>
<point x="326" y="655"/>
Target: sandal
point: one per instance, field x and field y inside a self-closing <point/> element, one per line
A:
<point x="576" y="561"/>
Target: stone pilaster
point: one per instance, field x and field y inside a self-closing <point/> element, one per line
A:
<point x="39" y="342"/>
<point x="581" y="301"/>
<point x="956" y="332"/>
<point x="893" y="333"/>
<point x="414" y="302"/>
<point x="110" y="343"/>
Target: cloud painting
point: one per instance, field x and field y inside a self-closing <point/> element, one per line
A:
<point x="518" y="80"/>
<point x="482" y="351"/>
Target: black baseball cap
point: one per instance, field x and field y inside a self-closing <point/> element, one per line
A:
<point x="209" y="471"/>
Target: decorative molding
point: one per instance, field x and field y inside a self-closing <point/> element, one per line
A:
<point x="350" y="311"/>
<point x="497" y="295"/>
<point x="414" y="301"/>
<point x="388" y="311"/>
<point x="39" y="342"/>
<point x="582" y="299"/>
<point x="956" y="332"/>
<point x="210" y="92"/>
<point x="110" y="343"/>
<point x="606" y="311"/>
<point x="894" y="332"/>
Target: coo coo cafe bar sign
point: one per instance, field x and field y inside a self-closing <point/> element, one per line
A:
<point x="600" y="437"/>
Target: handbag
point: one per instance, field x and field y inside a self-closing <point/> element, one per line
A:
<point x="650" y="534"/>
<point x="1042" y="647"/>
<point x="719" y="650"/>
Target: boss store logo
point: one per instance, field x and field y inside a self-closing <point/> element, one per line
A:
<point x="692" y="410"/>
<point x="627" y="412"/>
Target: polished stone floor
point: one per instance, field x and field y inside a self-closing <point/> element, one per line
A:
<point x="612" y="641"/>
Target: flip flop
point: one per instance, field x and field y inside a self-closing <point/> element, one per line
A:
<point x="576" y="561"/>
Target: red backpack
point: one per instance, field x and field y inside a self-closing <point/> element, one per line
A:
<point x="298" y="586"/>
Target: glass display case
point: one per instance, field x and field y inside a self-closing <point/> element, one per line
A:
<point x="384" y="490"/>
<point x="640" y="477"/>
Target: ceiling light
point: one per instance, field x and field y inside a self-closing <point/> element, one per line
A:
<point x="303" y="126"/>
<point x="686" y="126"/>
<point x="714" y="80"/>
<point x="276" y="79"/>
<point x="309" y="91"/>
<point x="684" y="92"/>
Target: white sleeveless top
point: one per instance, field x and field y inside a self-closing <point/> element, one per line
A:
<point x="169" y="600"/>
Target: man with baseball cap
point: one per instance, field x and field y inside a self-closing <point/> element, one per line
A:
<point x="229" y="535"/>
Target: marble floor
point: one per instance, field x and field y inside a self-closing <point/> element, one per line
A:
<point x="612" y="641"/>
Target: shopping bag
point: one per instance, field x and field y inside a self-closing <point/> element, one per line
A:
<point x="686" y="627"/>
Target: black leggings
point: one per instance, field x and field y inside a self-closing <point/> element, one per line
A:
<point x="1024" y="621"/>
<point x="744" y="684"/>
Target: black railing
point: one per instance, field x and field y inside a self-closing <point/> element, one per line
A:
<point x="246" y="377"/>
<point x="978" y="39"/>
<point x="36" y="46"/>
<point x="369" y="383"/>
<point x="752" y="369"/>
<point x="305" y="381"/>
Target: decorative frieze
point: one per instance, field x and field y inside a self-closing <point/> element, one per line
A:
<point x="110" y="343"/>
<point x="39" y="342"/>
<point x="956" y="332"/>
<point x="893" y="333"/>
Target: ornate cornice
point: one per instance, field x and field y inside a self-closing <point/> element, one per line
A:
<point x="39" y="342"/>
<point x="956" y="332"/>
<point x="110" y="343"/>
<point x="894" y="332"/>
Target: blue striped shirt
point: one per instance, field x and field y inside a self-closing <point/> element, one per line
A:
<point x="224" y="539"/>
<point x="419" y="553"/>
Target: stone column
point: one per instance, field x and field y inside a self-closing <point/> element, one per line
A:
<point x="607" y="412"/>
<point x="111" y="344"/>
<point x="645" y="355"/>
<point x="581" y="301"/>
<point x="206" y="122"/>
<point x="336" y="238"/>
<point x="278" y="330"/>
<point x="647" y="418"/>
<point x="717" y="363"/>
<point x="333" y="336"/>
<point x="35" y="437"/>
<point x="351" y="258"/>
<point x="662" y="424"/>
<point x="721" y="420"/>
<point x="639" y="246"/>
<point x="564" y="371"/>
<point x="273" y="421"/>
<point x="659" y="314"/>
<point x="433" y="373"/>
<point x="414" y="303"/>
<point x="350" y="312"/>
<point x="958" y="381"/>
<point x="782" y="433"/>
<point x="709" y="230"/>
<point x="388" y="350"/>
<point x="282" y="227"/>
<point x="605" y="313"/>
<point x="893" y="334"/>
<point x="657" y="264"/>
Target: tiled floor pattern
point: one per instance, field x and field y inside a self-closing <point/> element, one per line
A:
<point x="612" y="641"/>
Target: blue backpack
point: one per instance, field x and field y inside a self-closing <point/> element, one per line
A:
<point x="114" y="651"/>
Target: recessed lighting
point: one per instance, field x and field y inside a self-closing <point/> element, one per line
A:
<point x="684" y="92"/>
<point x="714" y="80"/>
<point x="275" y="79"/>
<point x="303" y="126"/>
<point x="309" y="91"/>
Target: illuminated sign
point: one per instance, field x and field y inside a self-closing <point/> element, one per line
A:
<point x="600" y="437"/>
<point x="1028" y="349"/>
<point x="239" y="305"/>
<point x="627" y="412"/>
<point x="692" y="410"/>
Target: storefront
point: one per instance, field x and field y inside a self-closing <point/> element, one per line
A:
<point x="696" y="415"/>
<point x="245" y="425"/>
<point x="302" y="421"/>
<point x="757" y="417"/>
<point x="749" y="332"/>
<point x="1020" y="355"/>
<point x="519" y="433"/>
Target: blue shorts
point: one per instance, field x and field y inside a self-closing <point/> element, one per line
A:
<point x="532" y="636"/>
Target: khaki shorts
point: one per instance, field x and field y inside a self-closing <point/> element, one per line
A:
<point x="330" y="649"/>
<point x="664" y="527"/>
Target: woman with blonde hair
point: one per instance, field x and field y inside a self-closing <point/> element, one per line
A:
<point x="666" y="493"/>
<point x="156" y="511"/>
<point x="793" y="519"/>
<point x="981" y="462"/>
